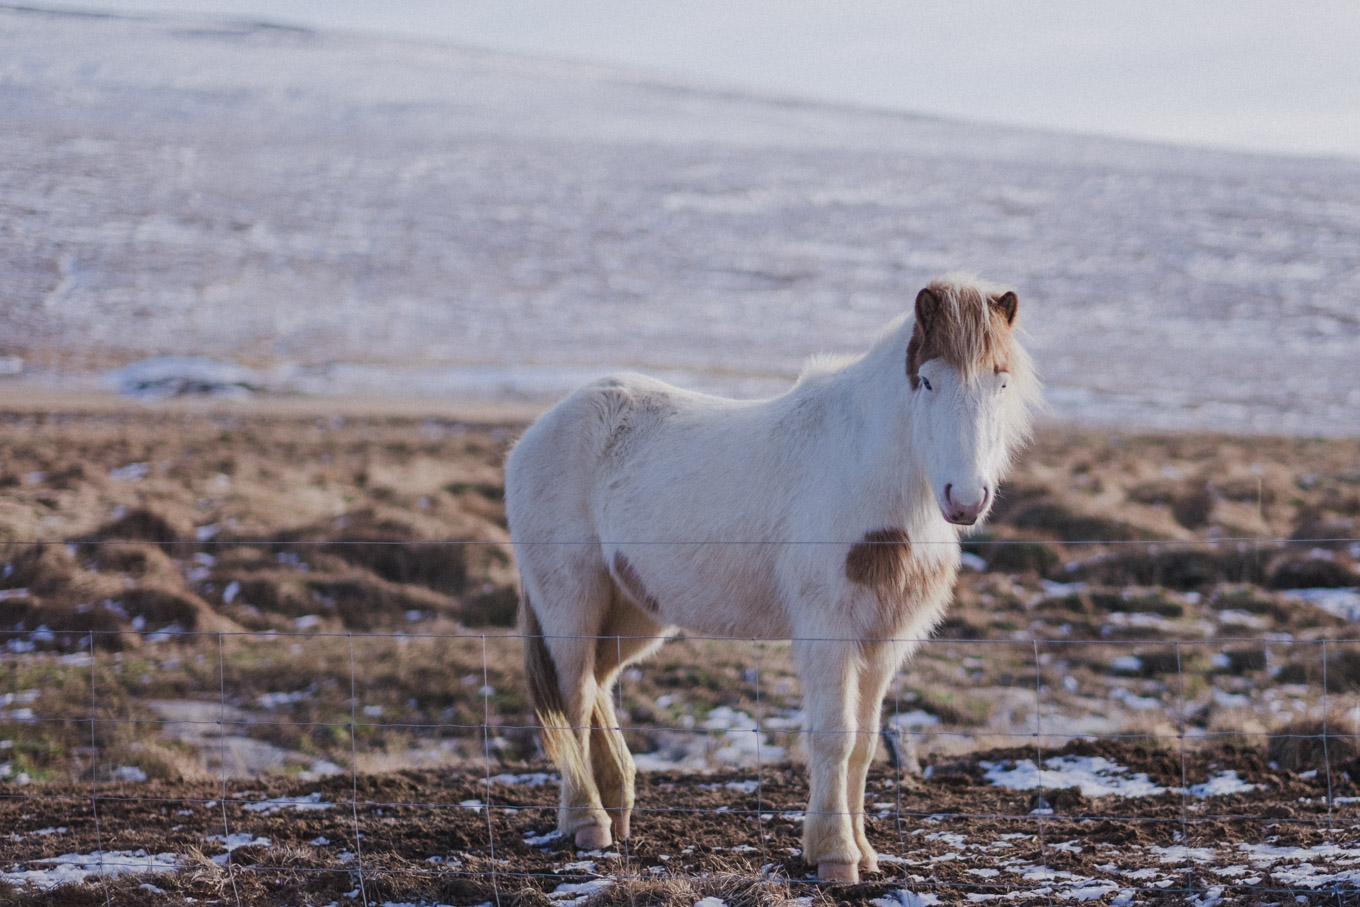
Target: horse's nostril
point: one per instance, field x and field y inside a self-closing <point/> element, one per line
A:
<point x="947" y="499"/>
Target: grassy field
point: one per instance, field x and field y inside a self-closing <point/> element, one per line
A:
<point x="225" y="606"/>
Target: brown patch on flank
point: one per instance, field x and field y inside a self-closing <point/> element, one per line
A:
<point x="958" y="324"/>
<point x="880" y="561"/>
<point x="628" y="580"/>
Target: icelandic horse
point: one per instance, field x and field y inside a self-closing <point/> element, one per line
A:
<point x="829" y="516"/>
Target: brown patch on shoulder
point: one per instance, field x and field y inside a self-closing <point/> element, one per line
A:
<point x="880" y="561"/>
<point x="631" y="584"/>
<point x="904" y="584"/>
<point x="967" y="329"/>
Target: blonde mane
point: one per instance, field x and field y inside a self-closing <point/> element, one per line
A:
<point x="966" y="322"/>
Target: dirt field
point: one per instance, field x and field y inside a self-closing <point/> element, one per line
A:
<point x="954" y="836"/>
<point x="204" y="611"/>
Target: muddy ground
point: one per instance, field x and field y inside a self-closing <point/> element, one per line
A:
<point x="204" y="609"/>
<point x="427" y="837"/>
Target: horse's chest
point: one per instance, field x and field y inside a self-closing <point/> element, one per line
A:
<point x="908" y="586"/>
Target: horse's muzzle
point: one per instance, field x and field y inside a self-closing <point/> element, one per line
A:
<point x="964" y="513"/>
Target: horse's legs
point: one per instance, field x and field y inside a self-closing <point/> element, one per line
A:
<point x="562" y="624"/>
<point x="581" y="813"/>
<point x="827" y="670"/>
<point x="613" y="766"/>
<point x="879" y="661"/>
<point x="637" y="635"/>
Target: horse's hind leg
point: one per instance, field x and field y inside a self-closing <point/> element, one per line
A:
<point x="637" y="635"/>
<point x="582" y="812"/>
<point x="560" y="655"/>
<point x="612" y="764"/>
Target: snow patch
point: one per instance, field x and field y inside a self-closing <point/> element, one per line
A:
<point x="1343" y="603"/>
<point x="1099" y="777"/>
<point x="1094" y="775"/>
<point x="72" y="868"/>
<point x="534" y="779"/>
<point x="971" y="561"/>
<point x="916" y="718"/>
<point x="233" y="841"/>
<point x="903" y="898"/>
<point x="279" y="804"/>
<point x="162" y="377"/>
<point x="1222" y="784"/>
<point x="572" y="894"/>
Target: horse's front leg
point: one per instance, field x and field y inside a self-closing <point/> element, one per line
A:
<point x="878" y="662"/>
<point x="828" y="672"/>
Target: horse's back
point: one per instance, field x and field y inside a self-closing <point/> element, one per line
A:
<point x="554" y="470"/>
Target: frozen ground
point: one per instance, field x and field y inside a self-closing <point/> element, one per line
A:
<point x="334" y="213"/>
<point x="956" y="838"/>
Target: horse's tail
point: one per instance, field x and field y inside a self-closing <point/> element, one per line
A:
<point x="559" y="742"/>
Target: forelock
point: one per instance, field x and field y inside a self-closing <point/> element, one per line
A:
<point x="968" y="332"/>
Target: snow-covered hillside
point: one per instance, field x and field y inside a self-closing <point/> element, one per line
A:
<point x="340" y="213"/>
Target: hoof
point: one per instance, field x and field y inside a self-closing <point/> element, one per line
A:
<point x="868" y="865"/>
<point x="593" y="837"/>
<point x="847" y="873"/>
<point x="620" y="826"/>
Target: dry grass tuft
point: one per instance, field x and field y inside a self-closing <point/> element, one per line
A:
<point x="143" y="524"/>
<point x="1314" y="745"/>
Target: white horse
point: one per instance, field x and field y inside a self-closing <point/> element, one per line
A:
<point x="829" y="515"/>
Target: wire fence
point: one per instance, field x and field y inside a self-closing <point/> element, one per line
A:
<point x="1046" y="691"/>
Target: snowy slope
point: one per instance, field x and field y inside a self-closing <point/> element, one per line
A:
<point x="340" y="213"/>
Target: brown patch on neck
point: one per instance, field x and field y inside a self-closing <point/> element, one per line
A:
<point x="631" y="584"/>
<point x="968" y="330"/>
<point x="880" y="561"/>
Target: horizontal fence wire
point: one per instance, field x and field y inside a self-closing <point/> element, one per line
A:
<point x="682" y="636"/>
<point x="980" y="735"/>
<point x="510" y="809"/>
<point x="221" y="542"/>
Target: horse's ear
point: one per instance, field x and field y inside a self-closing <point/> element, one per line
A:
<point x="1006" y="304"/>
<point x="927" y="309"/>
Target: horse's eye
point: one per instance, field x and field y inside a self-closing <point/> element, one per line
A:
<point x="925" y="382"/>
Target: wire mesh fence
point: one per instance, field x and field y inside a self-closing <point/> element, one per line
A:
<point x="1055" y="739"/>
<point x="266" y="660"/>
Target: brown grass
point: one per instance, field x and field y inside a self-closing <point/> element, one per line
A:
<point x="1314" y="745"/>
<point x="298" y="526"/>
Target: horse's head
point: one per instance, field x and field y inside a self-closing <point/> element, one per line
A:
<point x="972" y="386"/>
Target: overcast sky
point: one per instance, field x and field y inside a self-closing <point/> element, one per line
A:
<point x="1249" y="74"/>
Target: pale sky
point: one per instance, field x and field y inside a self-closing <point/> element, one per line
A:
<point x="1257" y="75"/>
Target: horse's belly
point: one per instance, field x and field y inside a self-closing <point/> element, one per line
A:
<point x="741" y="619"/>
<point x="702" y="594"/>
